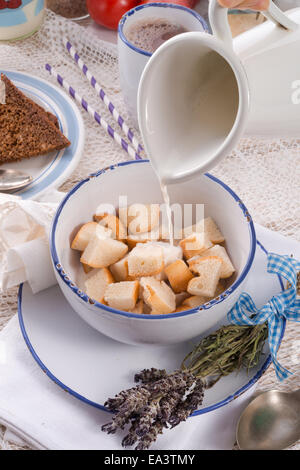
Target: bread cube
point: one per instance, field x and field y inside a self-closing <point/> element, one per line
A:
<point x="122" y="295"/>
<point x="217" y="250"/>
<point x="178" y="275"/>
<point x="101" y="253"/>
<point x="87" y="268"/>
<point x="159" y="233"/>
<point x="195" y="301"/>
<point x="146" y="309"/>
<point x="227" y="268"/>
<point x="212" y="230"/>
<point x="139" y="308"/>
<point x="180" y="298"/>
<point x="182" y="308"/>
<point x="97" y="283"/>
<point x="208" y="226"/>
<point x="195" y="244"/>
<point x="140" y="218"/>
<point x="145" y="260"/>
<point x="158" y="296"/>
<point x="119" y="270"/>
<point x="160" y="276"/>
<point x="113" y="223"/>
<point x="86" y="233"/>
<point x="171" y="253"/>
<point x="133" y="240"/>
<point x="208" y="270"/>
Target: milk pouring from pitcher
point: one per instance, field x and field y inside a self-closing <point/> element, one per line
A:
<point x="199" y="93"/>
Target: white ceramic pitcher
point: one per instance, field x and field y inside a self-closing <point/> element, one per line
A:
<point x="199" y="92"/>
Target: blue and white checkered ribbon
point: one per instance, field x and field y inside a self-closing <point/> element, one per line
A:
<point x="282" y="306"/>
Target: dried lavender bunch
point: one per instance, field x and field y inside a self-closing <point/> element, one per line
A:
<point x="126" y="395"/>
<point x="177" y="380"/>
<point x="131" y="438"/>
<point x="165" y="400"/>
<point x="148" y="439"/>
<point x="150" y="375"/>
<point x="168" y="403"/>
<point x="134" y="400"/>
<point x="149" y="406"/>
<point x="145" y="419"/>
<point x="185" y="408"/>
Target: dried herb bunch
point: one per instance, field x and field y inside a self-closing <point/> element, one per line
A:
<point x="226" y="350"/>
<point x="163" y="400"/>
<point x="160" y="401"/>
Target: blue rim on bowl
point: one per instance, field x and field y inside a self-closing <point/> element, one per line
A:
<point x="213" y="407"/>
<point x="64" y="276"/>
<point x="161" y="5"/>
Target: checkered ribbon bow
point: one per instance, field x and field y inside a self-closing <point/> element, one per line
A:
<point x="282" y="306"/>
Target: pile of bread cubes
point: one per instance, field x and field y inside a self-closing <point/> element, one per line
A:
<point x="131" y="265"/>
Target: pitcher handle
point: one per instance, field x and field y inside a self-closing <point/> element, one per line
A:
<point x="279" y="17"/>
<point x="220" y="27"/>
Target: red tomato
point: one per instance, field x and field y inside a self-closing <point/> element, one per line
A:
<point x="185" y="3"/>
<point x="109" y="12"/>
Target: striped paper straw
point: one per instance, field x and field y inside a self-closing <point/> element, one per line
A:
<point x="113" y="134"/>
<point x="108" y="103"/>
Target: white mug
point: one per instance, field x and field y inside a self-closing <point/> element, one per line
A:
<point x="199" y="93"/>
<point x="132" y="59"/>
<point x="20" y="19"/>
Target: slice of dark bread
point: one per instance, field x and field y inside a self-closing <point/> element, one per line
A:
<point x="51" y="117"/>
<point x="26" y="129"/>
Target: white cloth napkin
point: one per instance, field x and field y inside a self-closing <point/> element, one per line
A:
<point x="39" y="412"/>
<point x="24" y="249"/>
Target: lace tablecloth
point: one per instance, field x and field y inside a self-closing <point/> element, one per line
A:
<point x="265" y="173"/>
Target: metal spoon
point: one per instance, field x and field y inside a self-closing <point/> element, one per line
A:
<point x="270" y="422"/>
<point x="13" y="179"/>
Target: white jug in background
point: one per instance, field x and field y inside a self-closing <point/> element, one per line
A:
<point x="287" y="4"/>
<point x="199" y="93"/>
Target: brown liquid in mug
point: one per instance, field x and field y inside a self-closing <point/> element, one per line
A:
<point x="151" y="33"/>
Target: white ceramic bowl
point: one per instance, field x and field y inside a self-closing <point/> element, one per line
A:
<point x="137" y="180"/>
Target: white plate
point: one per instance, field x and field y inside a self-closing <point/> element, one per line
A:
<point x="51" y="170"/>
<point x="93" y="367"/>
